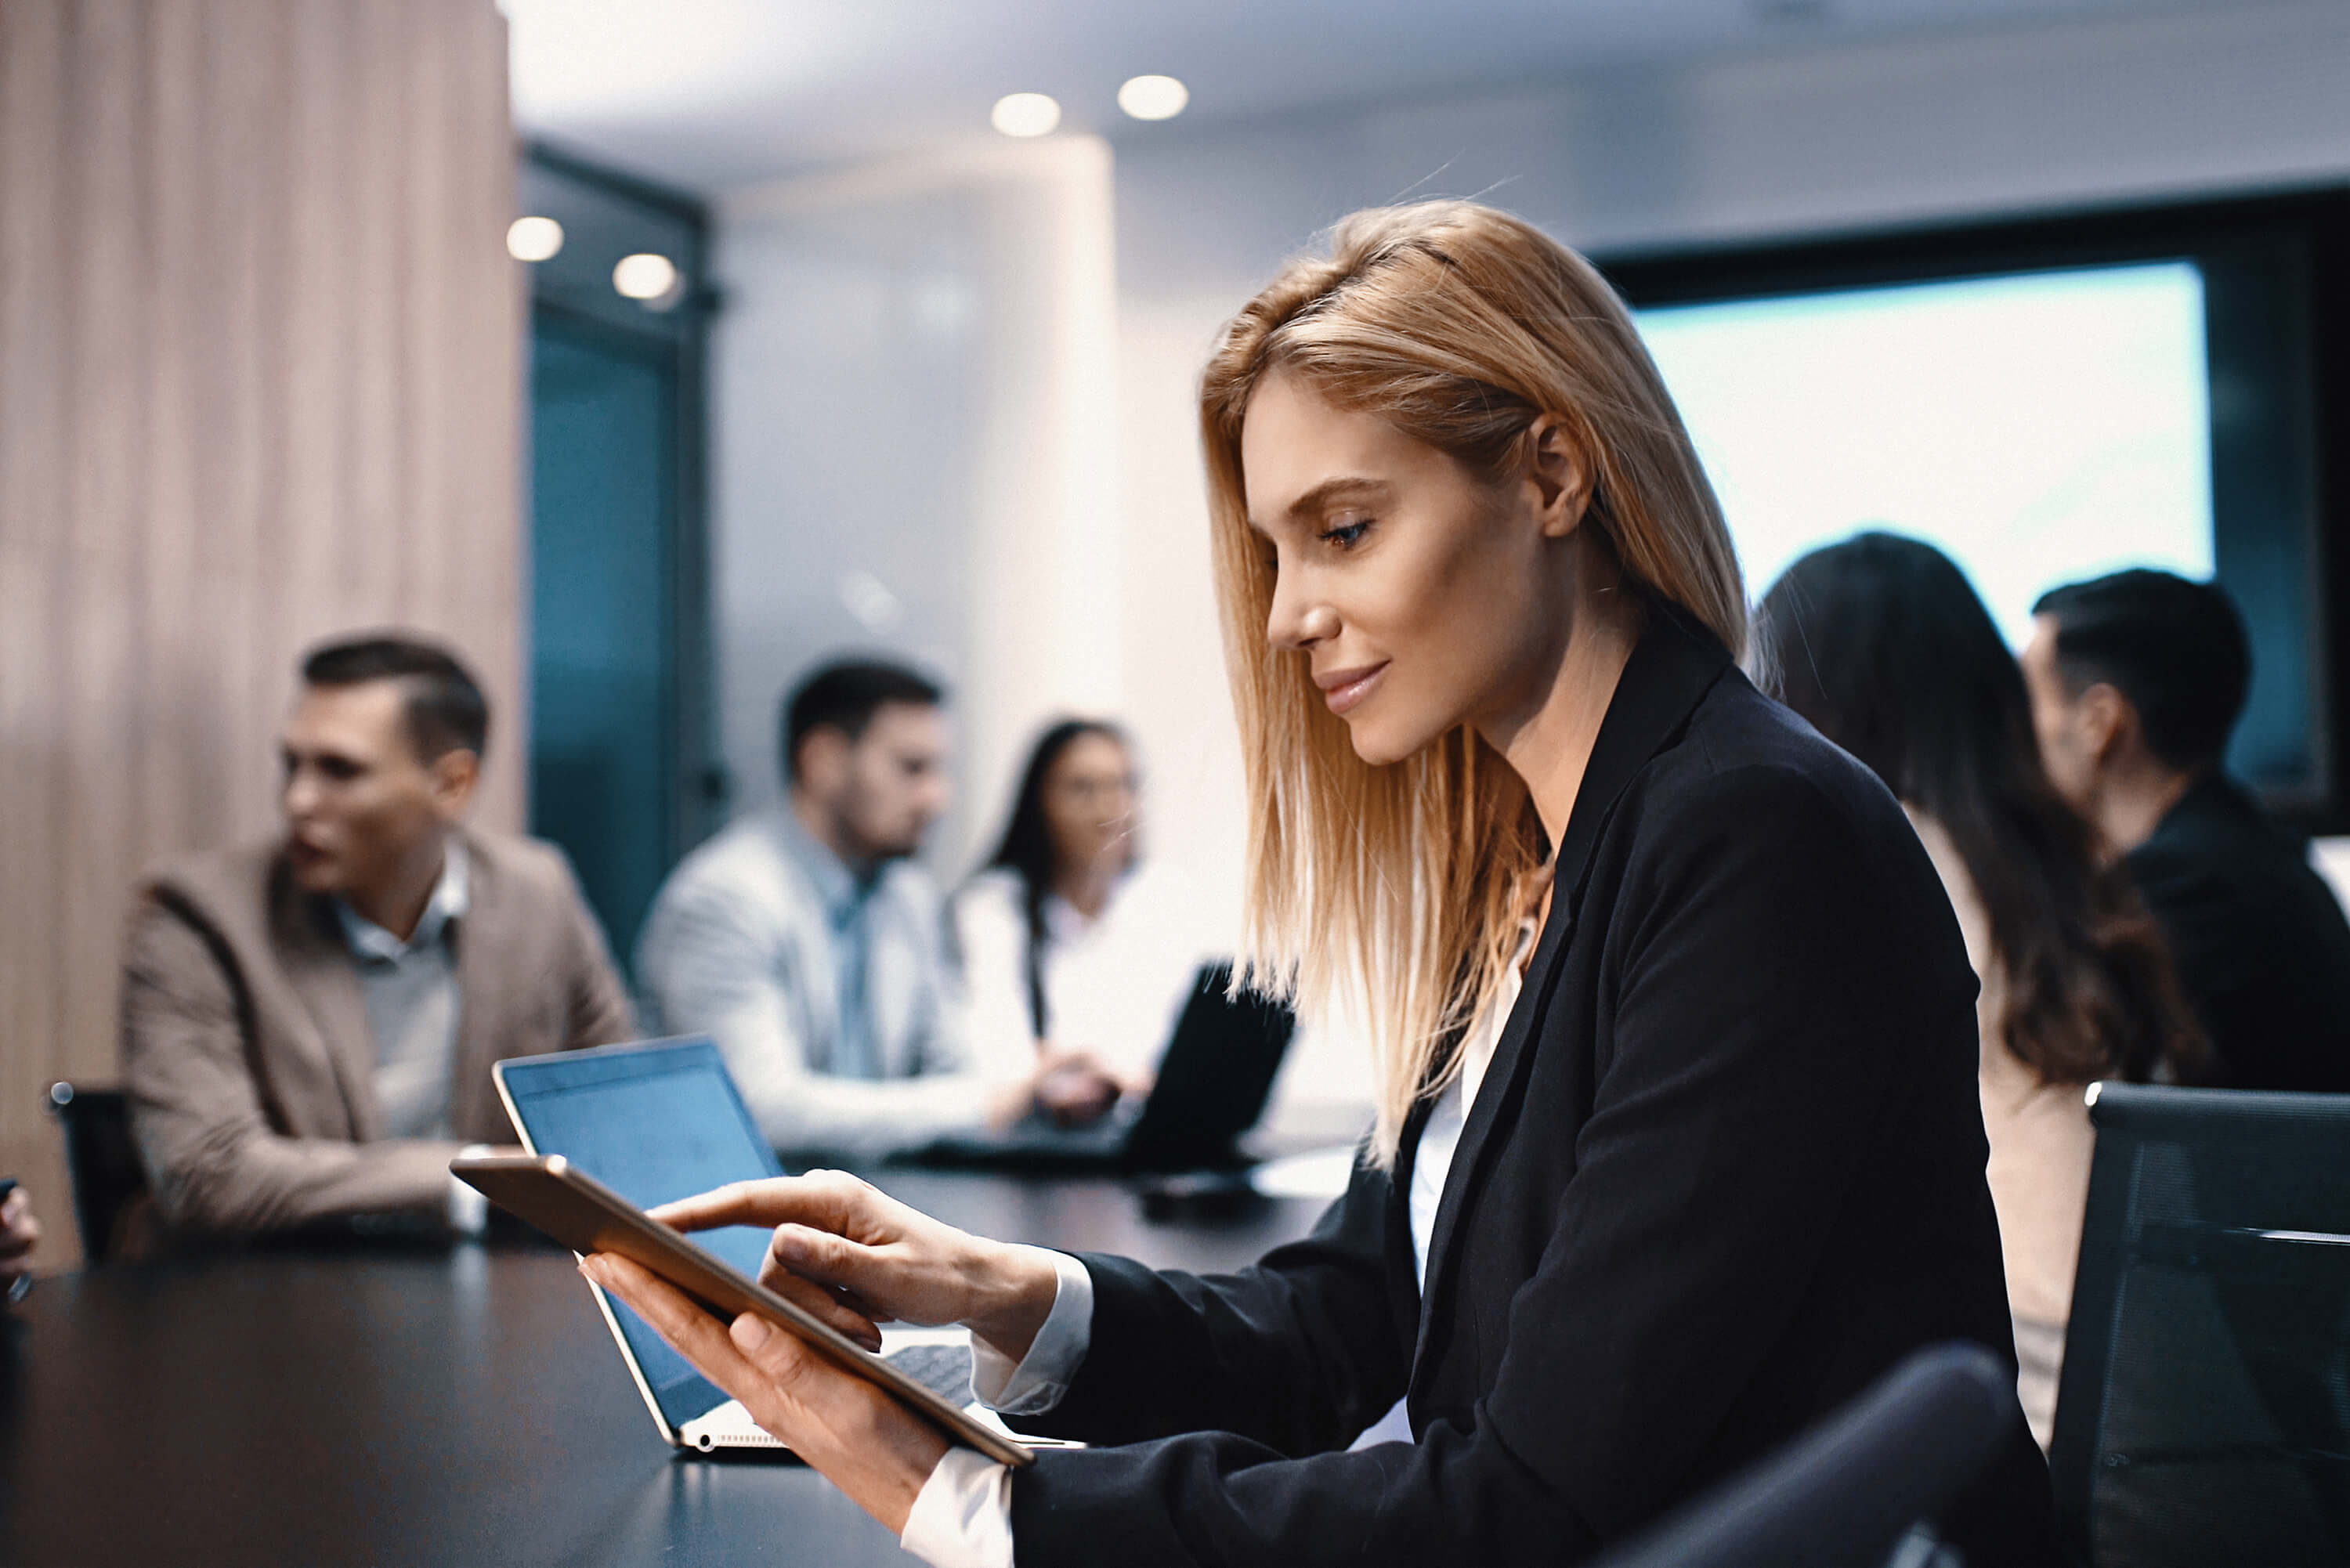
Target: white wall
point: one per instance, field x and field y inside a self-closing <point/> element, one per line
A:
<point x="914" y="436"/>
<point x="1046" y="611"/>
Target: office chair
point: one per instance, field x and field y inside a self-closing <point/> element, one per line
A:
<point x="2203" y="1415"/>
<point x="102" y="1161"/>
<point x="1849" y="1492"/>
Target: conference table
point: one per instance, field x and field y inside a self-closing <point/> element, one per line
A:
<point x="437" y="1405"/>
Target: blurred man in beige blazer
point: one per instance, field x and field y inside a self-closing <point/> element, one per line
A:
<point x="308" y="1023"/>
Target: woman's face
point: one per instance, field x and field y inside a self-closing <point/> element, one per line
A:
<point x="1089" y="803"/>
<point x="1421" y="596"/>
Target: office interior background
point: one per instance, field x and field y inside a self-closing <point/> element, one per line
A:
<point x="824" y="360"/>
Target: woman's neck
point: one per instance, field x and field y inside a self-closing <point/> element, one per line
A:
<point x="1086" y="888"/>
<point x="1549" y="745"/>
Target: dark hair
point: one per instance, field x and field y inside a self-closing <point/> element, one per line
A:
<point x="2176" y="648"/>
<point x="446" y="710"/>
<point x="1027" y="847"/>
<point x="845" y="695"/>
<point x="1880" y="643"/>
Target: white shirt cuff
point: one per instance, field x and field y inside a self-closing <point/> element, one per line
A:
<point x="469" y="1206"/>
<point x="963" y="1516"/>
<point x="1037" y="1382"/>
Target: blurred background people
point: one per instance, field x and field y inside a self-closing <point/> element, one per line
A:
<point x="1882" y="645"/>
<point x="1069" y="939"/>
<point x="2137" y="681"/>
<point x="807" y="941"/>
<point x="308" y="1024"/>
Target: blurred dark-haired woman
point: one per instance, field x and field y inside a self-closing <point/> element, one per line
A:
<point x="1881" y="643"/>
<point x="1066" y="944"/>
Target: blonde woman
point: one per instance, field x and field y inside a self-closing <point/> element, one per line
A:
<point x="1647" y="1192"/>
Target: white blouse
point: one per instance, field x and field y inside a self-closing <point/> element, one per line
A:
<point x="1114" y="984"/>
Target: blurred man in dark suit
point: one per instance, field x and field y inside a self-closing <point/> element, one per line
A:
<point x="2137" y="681"/>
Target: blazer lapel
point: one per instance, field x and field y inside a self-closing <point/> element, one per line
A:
<point x="1403" y="1290"/>
<point x="1673" y="666"/>
<point x="482" y="935"/>
<point x="1500" y="1085"/>
<point x="319" y="968"/>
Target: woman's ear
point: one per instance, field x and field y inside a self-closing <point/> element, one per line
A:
<point x="1561" y="477"/>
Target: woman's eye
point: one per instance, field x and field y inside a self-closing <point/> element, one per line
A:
<point x="1346" y="535"/>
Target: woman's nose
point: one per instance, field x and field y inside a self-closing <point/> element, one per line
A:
<point x="1297" y="620"/>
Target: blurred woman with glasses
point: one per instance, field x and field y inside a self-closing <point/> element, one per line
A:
<point x="1070" y="942"/>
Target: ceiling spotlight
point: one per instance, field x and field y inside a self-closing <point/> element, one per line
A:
<point x="534" y="239"/>
<point x="647" y="276"/>
<point x="1153" y="98"/>
<point x="1025" y="114"/>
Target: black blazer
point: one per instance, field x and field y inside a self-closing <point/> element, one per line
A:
<point x="2258" y="940"/>
<point x="1725" y="1168"/>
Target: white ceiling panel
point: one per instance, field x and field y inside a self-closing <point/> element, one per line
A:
<point x="714" y="94"/>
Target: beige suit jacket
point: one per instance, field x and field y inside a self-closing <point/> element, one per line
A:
<point x="245" y="1048"/>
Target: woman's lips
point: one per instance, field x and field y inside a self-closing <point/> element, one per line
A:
<point x="1343" y="689"/>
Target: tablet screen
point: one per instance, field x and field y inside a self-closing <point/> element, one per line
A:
<point x="653" y="1122"/>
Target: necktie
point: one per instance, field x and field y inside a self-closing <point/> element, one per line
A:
<point x="853" y="1056"/>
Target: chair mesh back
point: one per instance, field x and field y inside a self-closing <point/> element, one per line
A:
<point x="2204" y="1412"/>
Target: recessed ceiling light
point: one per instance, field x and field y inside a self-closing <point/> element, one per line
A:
<point x="1153" y="98"/>
<point x="534" y="239"/>
<point x="1025" y="114"/>
<point x="648" y="276"/>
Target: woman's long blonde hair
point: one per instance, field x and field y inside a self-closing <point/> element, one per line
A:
<point x="1400" y="886"/>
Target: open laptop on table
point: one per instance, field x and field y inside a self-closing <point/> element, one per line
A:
<point x="1213" y="1080"/>
<point x="659" y="1121"/>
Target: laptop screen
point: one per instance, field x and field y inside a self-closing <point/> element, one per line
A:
<point x="653" y="1122"/>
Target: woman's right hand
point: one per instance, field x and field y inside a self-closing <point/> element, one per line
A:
<point x="843" y="1248"/>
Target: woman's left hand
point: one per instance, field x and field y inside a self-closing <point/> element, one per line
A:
<point x="1072" y="1086"/>
<point x="862" y="1439"/>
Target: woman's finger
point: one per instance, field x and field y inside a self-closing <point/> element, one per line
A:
<point x="768" y="1387"/>
<point x="825" y="1199"/>
<point x="873" y="1448"/>
<point x="857" y="1303"/>
<point x="692" y="1333"/>
<point x="829" y="1307"/>
<point x="820" y="1255"/>
<point x="736" y="1203"/>
<point x="780" y="1357"/>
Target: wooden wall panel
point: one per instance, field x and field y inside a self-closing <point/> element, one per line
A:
<point x="260" y="383"/>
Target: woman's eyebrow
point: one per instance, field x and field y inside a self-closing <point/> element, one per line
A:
<point x="1322" y="494"/>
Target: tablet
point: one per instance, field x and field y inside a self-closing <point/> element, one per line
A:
<point x="558" y="1198"/>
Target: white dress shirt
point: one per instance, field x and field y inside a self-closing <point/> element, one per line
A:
<point x="963" y="1516"/>
<point x="750" y="940"/>
<point x="412" y="1000"/>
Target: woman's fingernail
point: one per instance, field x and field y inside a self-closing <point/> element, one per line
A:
<point x="749" y="1332"/>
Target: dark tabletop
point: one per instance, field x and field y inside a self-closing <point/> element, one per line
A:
<point x="427" y="1405"/>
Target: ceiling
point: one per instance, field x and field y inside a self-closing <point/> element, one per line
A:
<point x="715" y="94"/>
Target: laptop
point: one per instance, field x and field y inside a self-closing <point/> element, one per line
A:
<point x="663" y="1120"/>
<point x="1214" y="1078"/>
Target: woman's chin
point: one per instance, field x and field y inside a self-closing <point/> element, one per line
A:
<point x="1377" y="744"/>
